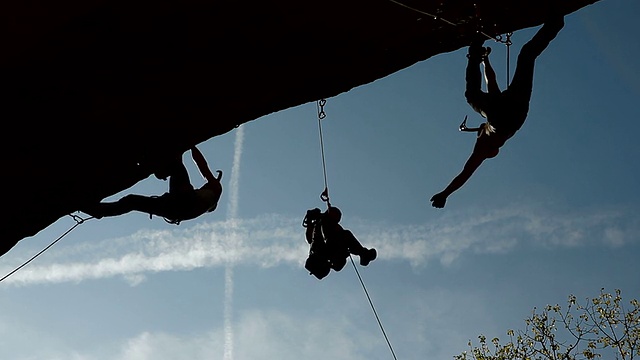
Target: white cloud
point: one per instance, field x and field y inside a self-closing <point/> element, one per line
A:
<point x="260" y="335"/>
<point x="273" y="240"/>
<point x="424" y="322"/>
<point x="234" y="182"/>
<point x="159" y="346"/>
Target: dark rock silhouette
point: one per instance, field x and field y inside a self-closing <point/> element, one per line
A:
<point x="92" y="88"/>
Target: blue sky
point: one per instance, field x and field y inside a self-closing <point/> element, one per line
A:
<point x="556" y="213"/>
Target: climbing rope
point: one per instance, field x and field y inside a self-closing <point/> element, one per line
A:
<point x="424" y="13"/>
<point x="78" y="221"/>
<point x="325" y="197"/>
<point x="440" y="18"/>
<point x="497" y="38"/>
<point x="373" y="307"/>
<point x="508" y="43"/>
<point x="321" y="115"/>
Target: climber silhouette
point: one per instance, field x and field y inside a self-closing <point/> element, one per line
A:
<point x="506" y="110"/>
<point x="181" y="202"/>
<point x="331" y="244"/>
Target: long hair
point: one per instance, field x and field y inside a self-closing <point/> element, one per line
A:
<point x="486" y="128"/>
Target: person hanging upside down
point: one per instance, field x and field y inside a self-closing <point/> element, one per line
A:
<point x="331" y="244"/>
<point x="181" y="202"/>
<point x="506" y="110"/>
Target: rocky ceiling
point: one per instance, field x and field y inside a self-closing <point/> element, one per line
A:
<point x="91" y="88"/>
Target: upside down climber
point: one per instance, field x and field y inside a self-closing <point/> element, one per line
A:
<point x="181" y="202"/>
<point x="505" y="111"/>
<point x="331" y="244"/>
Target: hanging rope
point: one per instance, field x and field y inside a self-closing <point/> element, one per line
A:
<point x="373" y="308"/>
<point x="78" y="220"/>
<point x="321" y="115"/>
<point x="325" y="197"/>
<point x="424" y="13"/>
<point x="508" y="43"/>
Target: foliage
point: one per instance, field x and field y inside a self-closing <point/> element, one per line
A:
<point x="602" y="327"/>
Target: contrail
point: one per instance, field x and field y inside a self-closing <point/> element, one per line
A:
<point x="232" y="215"/>
<point x="232" y="212"/>
<point x="228" y="297"/>
<point x="271" y="240"/>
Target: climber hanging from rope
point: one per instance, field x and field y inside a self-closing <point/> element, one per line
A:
<point x="181" y="202"/>
<point x="506" y="110"/>
<point x="331" y="244"/>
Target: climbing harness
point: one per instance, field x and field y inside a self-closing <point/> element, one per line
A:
<point x="169" y="221"/>
<point x="79" y="220"/>
<point x="324" y="196"/>
<point x="178" y="221"/>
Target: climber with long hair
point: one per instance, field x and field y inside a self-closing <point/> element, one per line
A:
<point x="504" y="111"/>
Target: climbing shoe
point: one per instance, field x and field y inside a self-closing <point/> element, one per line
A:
<point x="368" y="257"/>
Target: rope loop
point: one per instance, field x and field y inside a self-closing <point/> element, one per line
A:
<point x="325" y="196"/>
